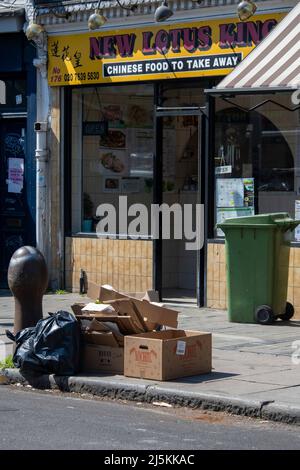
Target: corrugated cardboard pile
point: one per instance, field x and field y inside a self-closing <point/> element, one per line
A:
<point x="128" y="334"/>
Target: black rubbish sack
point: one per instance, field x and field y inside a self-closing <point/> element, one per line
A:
<point x="51" y="347"/>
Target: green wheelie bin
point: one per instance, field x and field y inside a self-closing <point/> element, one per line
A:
<point x="257" y="260"/>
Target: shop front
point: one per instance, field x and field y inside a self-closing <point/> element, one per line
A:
<point x="257" y="147"/>
<point x="137" y="134"/>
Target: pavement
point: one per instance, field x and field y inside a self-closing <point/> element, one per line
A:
<point x="254" y="373"/>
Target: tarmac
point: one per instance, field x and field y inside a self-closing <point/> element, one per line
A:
<point x="256" y="368"/>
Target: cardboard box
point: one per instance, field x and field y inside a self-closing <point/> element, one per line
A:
<point x="99" y="358"/>
<point x="168" y="354"/>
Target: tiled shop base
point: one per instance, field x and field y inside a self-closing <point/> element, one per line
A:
<point x="124" y="264"/>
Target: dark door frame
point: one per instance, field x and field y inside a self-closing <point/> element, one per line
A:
<point x="159" y="113"/>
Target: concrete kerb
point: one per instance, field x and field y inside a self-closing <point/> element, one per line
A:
<point x="102" y="387"/>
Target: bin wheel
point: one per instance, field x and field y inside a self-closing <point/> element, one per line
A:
<point x="264" y="315"/>
<point x="289" y="312"/>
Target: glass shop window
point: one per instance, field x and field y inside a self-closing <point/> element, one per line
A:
<point x="257" y="156"/>
<point x="12" y="94"/>
<point x="112" y="153"/>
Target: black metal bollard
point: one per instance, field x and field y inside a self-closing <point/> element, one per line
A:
<point x="28" y="281"/>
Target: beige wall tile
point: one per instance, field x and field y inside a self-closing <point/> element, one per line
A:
<point x="216" y="290"/>
<point x="138" y="249"/>
<point x="149" y="283"/>
<point x="210" y="270"/>
<point x="294" y="277"/>
<point x="132" y="284"/>
<point x="216" y="272"/>
<point x="116" y="248"/>
<point x="110" y="279"/>
<point x="210" y="290"/>
<point x="127" y="284"/>
<point x="210" y="250"/>
<point x="132" y="262"/>
<point x="121" y="263"/>
<point x="115" y="281"/>
<point x="149" y="249"/>
<point x="222" y="291"/>
<point x="138" y="284"/>
<point x="222" y="272"/>
<point x="149" y="267"/>
<point x="144" y="267"/>
<point x="121" y="248"/>
<point x="132" y="248"/>
<point x="116" y="267"/>
<point x="138" y="266"/>
<point x="292" y="256"/>
<point x="127" y="266"/>
<point x="297" y="314"/>
<point x="297" y="296"/>
<point x="104" y="265"/>
<point x="296" y="257"/>
<point x="222" y="253"/>
<point x="290" y="295"/>
<point x="122" y="282"/>
<point x="99" y="246"/>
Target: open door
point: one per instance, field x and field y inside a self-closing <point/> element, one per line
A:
<point x="179" y="183"/>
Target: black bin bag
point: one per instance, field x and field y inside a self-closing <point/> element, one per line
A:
<point x="51" y="347"/>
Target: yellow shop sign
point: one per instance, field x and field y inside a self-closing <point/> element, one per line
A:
<point x="194" y="49"/>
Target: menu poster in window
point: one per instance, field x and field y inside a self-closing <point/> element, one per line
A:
<point x="231" y="213"/>
<point x="297" y="217"/>
<point x="113" y="162"/>
<point x="111" y="185"/>
<point x="114" y="139"/>
<point x="113" y="115"/>
<point x="248" y="192"/>
<point x="140" y="140"/>
<point x="130" y="185"/>
<point x="230" y="192"/>
<point x="139" y="115"/>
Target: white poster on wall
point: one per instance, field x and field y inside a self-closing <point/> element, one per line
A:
<point x="297" y="217"/>
<point x="230" y="192"/>
<point x="15" y="175"/>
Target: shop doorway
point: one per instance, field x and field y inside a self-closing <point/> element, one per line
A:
<point x="178" y="184"/>
<point x="13" y="206"/>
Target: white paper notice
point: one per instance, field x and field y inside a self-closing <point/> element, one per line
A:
<point x="230" y="192"/>
<point x="297" y="217"/>
<point x="15" y="175"/>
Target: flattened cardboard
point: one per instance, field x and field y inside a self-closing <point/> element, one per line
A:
<point x="156" y="314"/>
<point x="96" y="325"/>
<point x="103" y="359"/>
<point x="169" y="354"/>
<point x="103" y="339"/>
<point x="127" y="307"/>
<point x="96" y="292"/>
<point x="77" y="307"/>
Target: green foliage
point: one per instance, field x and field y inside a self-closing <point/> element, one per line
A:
<point x="7" y="363"/>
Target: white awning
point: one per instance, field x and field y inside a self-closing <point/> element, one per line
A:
<point x="273" y="64"/>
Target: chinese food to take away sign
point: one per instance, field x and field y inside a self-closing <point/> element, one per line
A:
<point x="200" y="48"/>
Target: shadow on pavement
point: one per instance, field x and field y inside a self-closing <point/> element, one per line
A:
<point x="205" y="377"/>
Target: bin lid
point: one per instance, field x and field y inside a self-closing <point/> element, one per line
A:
<point x="279" y="219"/>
